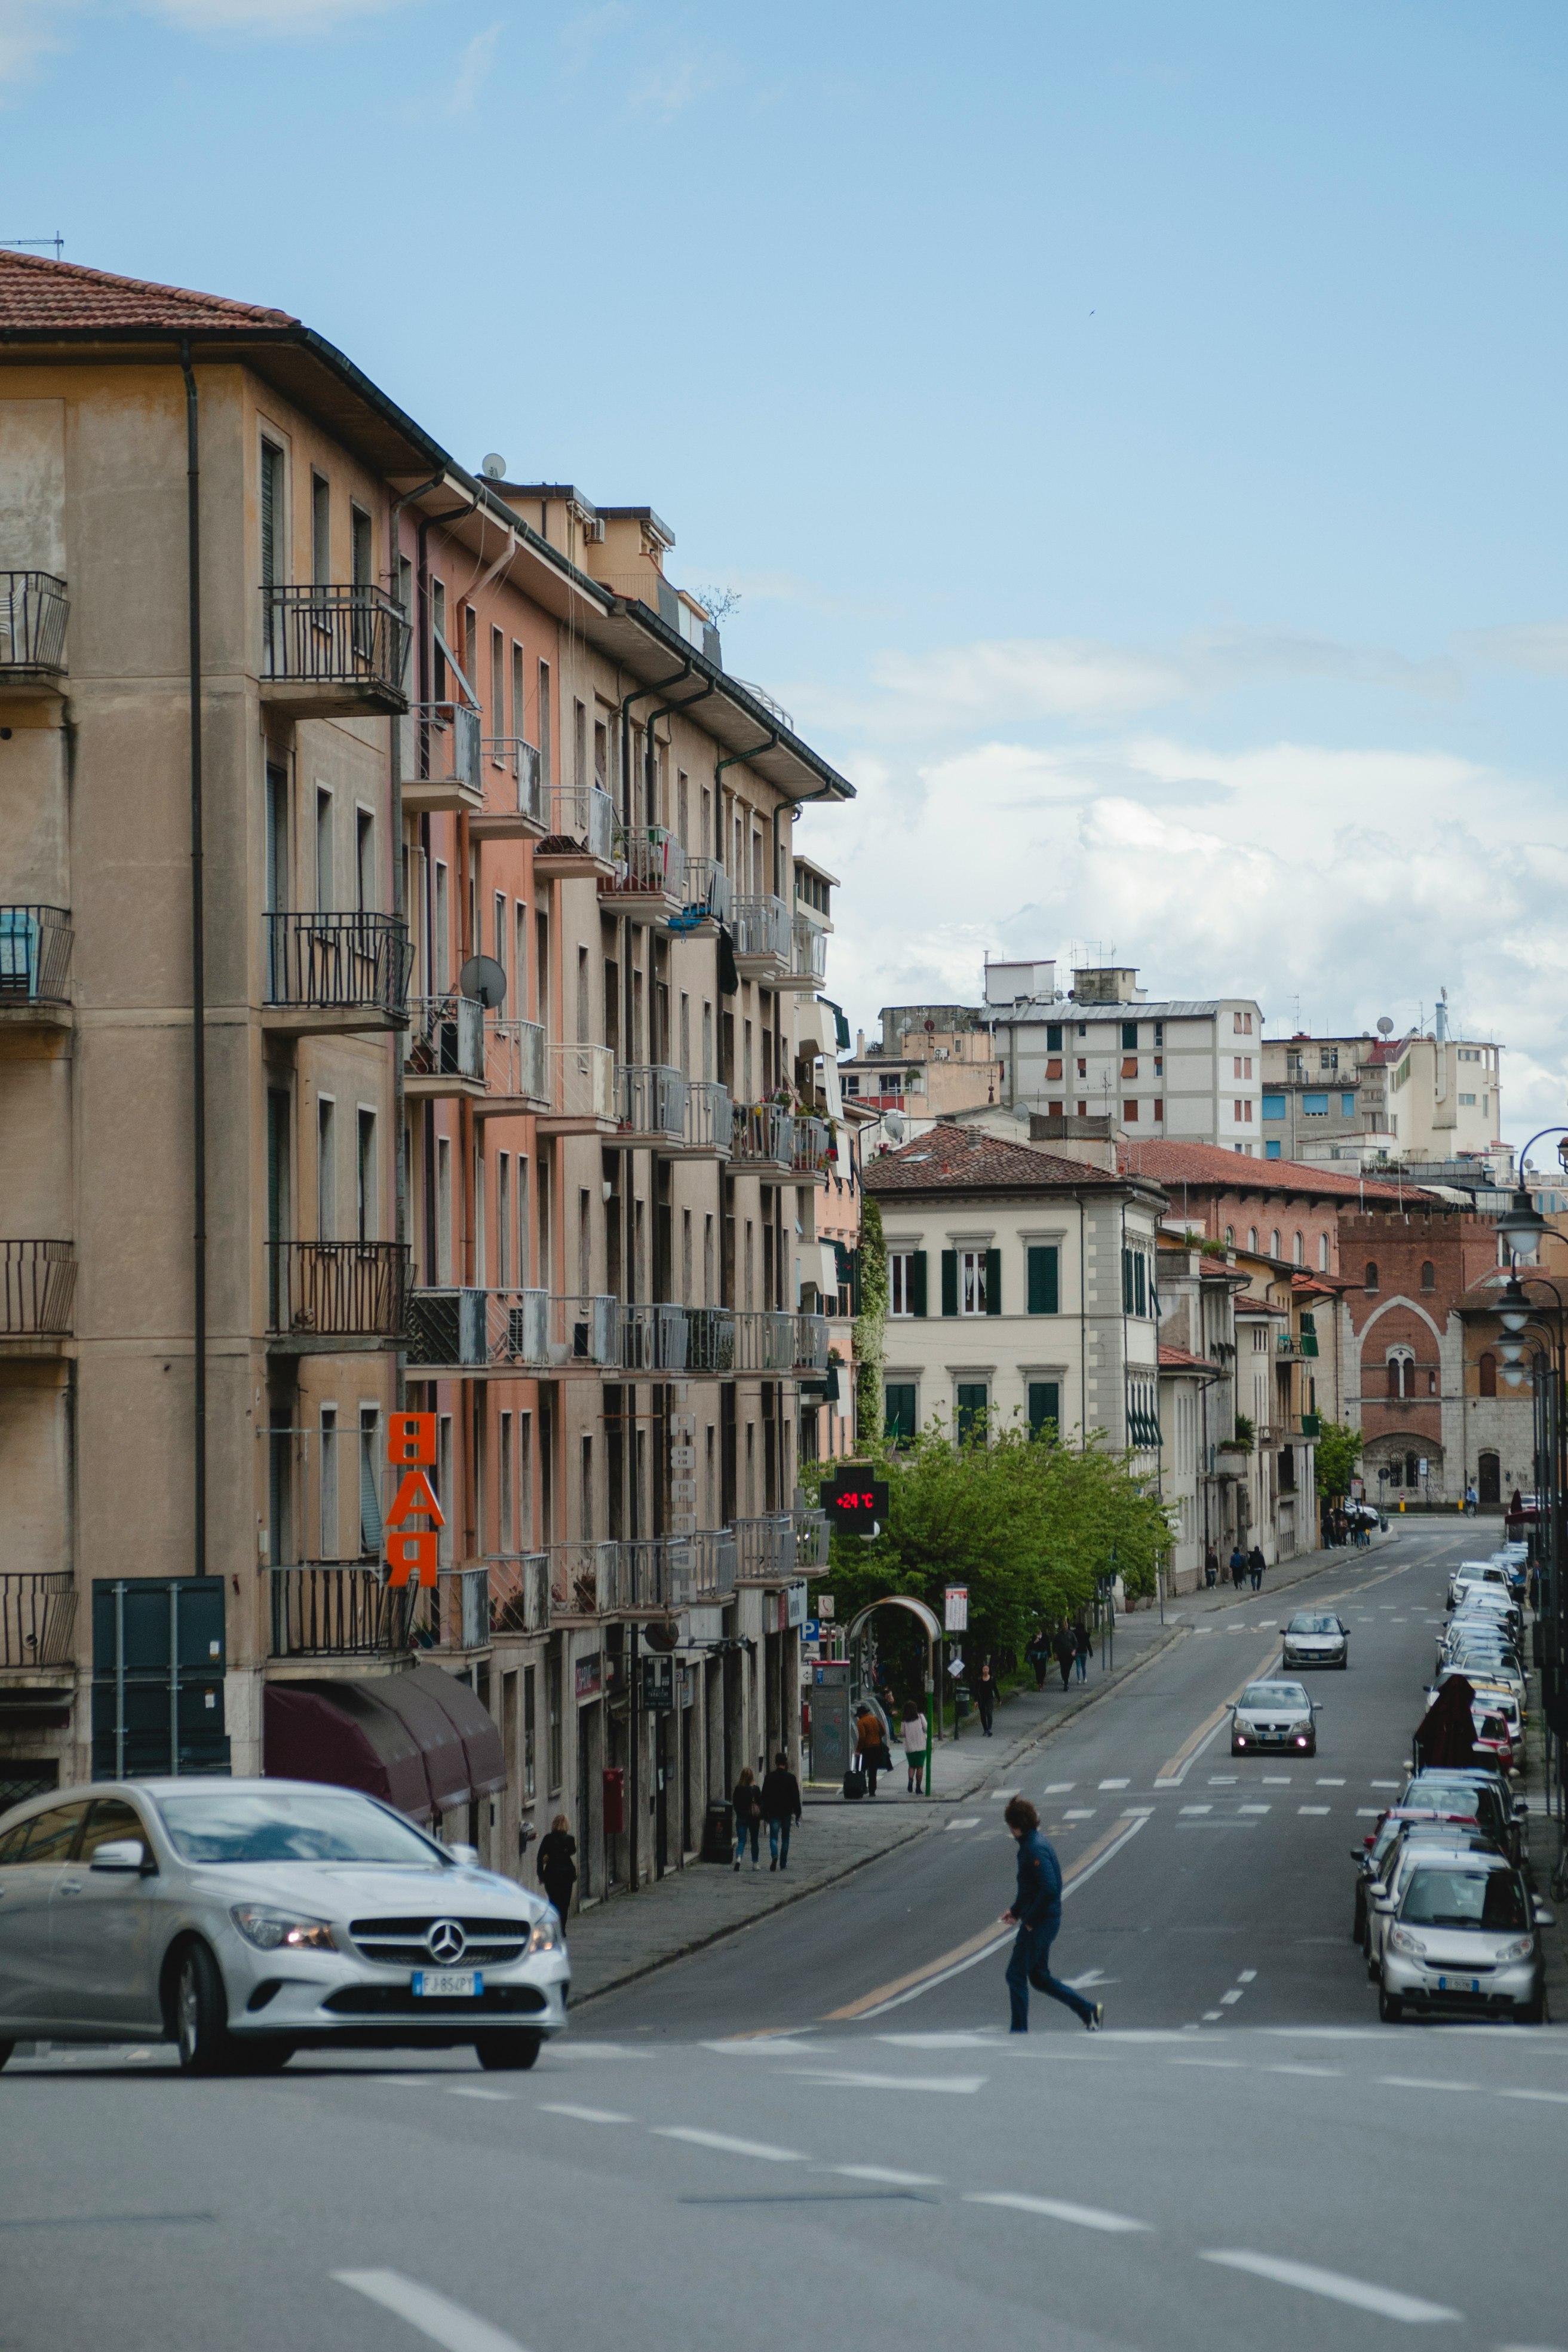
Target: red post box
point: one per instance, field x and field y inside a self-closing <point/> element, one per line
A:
<point x="614" y="1800"/>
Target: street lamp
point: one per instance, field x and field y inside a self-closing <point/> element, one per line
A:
<point x="1522" y="1224"/>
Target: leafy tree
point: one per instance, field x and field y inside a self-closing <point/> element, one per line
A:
<point x="869" y="1327"/>
<point x="1339" y="1450"/>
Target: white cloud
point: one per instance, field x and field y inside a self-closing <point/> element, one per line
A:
<point x="30" y="29"/>
<point x="275" y="17"/>
<point x="667" y="89"/>
<point x="472" y="70"/>
<point x="1535" y="644"/>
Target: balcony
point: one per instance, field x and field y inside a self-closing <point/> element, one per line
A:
<point x="708" y="1127"/>
<point x="653" y="1338"/>
<point x="439" y="758"/>
<point x="452" y="1615"/>
<point x="701" y="1568"/>
<point x="764" y="1340"/>
<point x="340" y="1609"/>
<point x="811" y="1343"/>
<point x="648" y="882"/>
<point x="653" y="1103"/>
<point x="810" y="1156"/>
<point x="34" y="966"/>
<point x="766" y="1549"/>
<point x="335" y="1297"/>
<point x="812" y="1534"/>
<point x="37" y="1290"/>
<point x="639" y="1583"/>
<point x="33" y="609"/>
<point x="520" y="1594"/>
<point x="334" y="974"/>
<point x="708" y="894"/>
<point x="516" y="1070"/>
<point x="38" y="1617"/>
<point x="512" y="780"/>
<point x="581" y="1578"/>
<point x="764" y="1137"/>
<point x="710" y="1340"/>
<point x="444" y="1050"/>
<point x="579" y="837"/>
<point x="581" y="1091"/>
<point x="808" y="955"/>
<point x="333" y="652"/>
<point x="457" y="1332"/>
<point x="760" y="929"/>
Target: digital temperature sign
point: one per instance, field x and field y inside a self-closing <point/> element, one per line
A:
<point x="855" y="1504"/>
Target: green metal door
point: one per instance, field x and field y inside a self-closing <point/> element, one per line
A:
<point x="158" y="1657"/>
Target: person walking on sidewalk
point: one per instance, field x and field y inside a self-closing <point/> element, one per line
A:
<point x="1256" y="1564"/>
<point x="869" y="1745"/>
<point x="1036" y="1913"/>
<point x="780" y="1810"/>
<point x="912" y="1732"/>
<point x="556" y="1867"/>
<point x="985" y="1694"/>
<point x="747" y="1806"/>
<point x="1210" y="1567"/>
<point x="1082" y="1644"/>
<point x="1237" y="1566"/>
<point x="1066" y="1652"/>
<point x="1039" y="1656"/>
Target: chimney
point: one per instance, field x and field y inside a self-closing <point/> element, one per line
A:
<point x="859" y="1045"/>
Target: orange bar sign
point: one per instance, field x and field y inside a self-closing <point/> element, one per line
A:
<point x="411" y="1448"/>
<point x="410" y="1440"/>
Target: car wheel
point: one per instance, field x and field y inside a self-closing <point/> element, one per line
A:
<point x="5" y="2050"/>
<point x="268" y="2057"/>
<point x="1358" y="1933"/>
<point x="1390" y="2008"/>
<point x="502" y="2052"/>
<point x="202" y="2015"/>
<point x="1533" y="2013"/>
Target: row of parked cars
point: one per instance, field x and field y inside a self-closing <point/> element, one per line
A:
<point x="1445" y="1913"/>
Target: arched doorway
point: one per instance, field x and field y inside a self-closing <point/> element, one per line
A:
<point x="930" y="1625"/>
<point x="1489" y="1482"/>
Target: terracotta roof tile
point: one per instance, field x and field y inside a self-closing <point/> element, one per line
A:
<point x="1178" y="1359"/>
<point x="35" y="292"/>
<point x="970" y="1159"/>
<point x="1247" y="1304"/>
<point x="1212" y="1165"/>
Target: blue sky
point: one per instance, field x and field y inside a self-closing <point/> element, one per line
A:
<point x="1134" y="429"/>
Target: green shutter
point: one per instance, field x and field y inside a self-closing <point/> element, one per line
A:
<point x="1126" y="1281"/>
<point x="1044" y="1407"/>
<point x="917" y="1282"/>
<point x="993" y="1281"/>
<point x="950" y="1281"/>
<point x="1140" y="1283"/>
<point x="898" y="1413"/>
<point x="1045" y="1296"/>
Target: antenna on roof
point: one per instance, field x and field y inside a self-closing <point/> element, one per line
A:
<point x="37" y="243"/>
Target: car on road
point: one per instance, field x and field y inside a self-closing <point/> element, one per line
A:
<point x="1464" y="1938"/>
<point x="1373" y="1852"/>
<point x="1414" y="1839"/>
<point x="246" y="1919"/>
<point x="1274" y="1717"/>
<point x="1315" y="1637"/>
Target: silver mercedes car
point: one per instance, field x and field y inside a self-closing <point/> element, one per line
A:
<point x="246" y="1919"/>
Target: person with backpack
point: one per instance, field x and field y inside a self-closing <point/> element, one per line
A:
<point x="1237" y="1566"/>
<point x="780" y="1808"/>
<point x="747" y="1806"/>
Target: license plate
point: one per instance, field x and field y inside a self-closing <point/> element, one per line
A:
<point x="1460" y="1984"/>
<point x="447" y="1984"/>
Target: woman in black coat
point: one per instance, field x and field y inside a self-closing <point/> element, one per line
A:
<point x="556" y="1866"/>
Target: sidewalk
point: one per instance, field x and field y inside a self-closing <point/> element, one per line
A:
<point x="628" y="1936"/>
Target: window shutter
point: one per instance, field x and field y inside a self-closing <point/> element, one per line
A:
<point x="950" y="1281"/>
<point x="917" y="1282"/>
<point x="1044" y="1406"/>
<point x="1126" y="1281"/>
<point x="369" y="1500"/>
<point x="993" y="1281"/>
<point x="1043" y="1295"/>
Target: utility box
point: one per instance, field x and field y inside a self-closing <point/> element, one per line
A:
<point x="831" y="1743"/>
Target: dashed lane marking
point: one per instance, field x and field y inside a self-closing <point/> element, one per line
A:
<point x="1213" y="2016"/>
<point x="726" y="2145"/>
<point x="1558" y="2098"/>
<point x="1197" y="1809"/>
<point x="1257" y="1809"/>
<point x="883" y="2173"/>
<point x="1327" y="2073"/>
<point x="1360" y="2293"/>
<point x="1246" y="1976"/>
<point x="1080" y="1813"/>
<point x="585" y="2115"/>
<point x="833" y="2079"/>
<point x="1232" y="1996"/>
<point x="472" y="2091"/>
<point x="1324" y="1782"/>
<point x="1060" y="1787"/>
<point x="1421" y="2083"/>
<point x="1116" y="1784"/>
<point x="1311" y="1809"/>
<point x="1054" y="2209"/>
<point x="432" y="2314"/>
<point x="971" y="1822"/>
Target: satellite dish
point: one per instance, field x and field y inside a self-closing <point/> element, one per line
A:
<point x="1022" y="1113"/>
<point x="895" y="1124"/>
<point x="1384" y="1026"/>
<point x="494" y="467"/>
<point x="931" y="1028"/>
<point x="482" y="977"/>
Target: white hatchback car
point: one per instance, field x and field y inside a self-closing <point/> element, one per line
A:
<point x="246" y="1919"/>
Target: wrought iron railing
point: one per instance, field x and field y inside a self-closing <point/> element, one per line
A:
<point x="350" y="1290"/>
<point x="35" y="954"/>
<point x="516" y="1064"/>
<point x="760" y="927"/>
<point x="518" y="789"/>
<point x="38" y="1288"/>
<point x="511" y="1330"/>
<point x="331" y="1609"/>
<point x="584" y="814"/>
<point x="353" y="635"/>
<point x="353" y="962"/>
<point x="653" y="1100"/>
<point x="809" y="1156"/>
<point x="710" y="1340"/>
<point x="649" y="864"/>
<point x="582" y="1082"/>
<point x="446" y="1037"/>
<point x="37" y="1616"/>
<point x="34" y="607"/>
<point x="653" y="1338"/>
<point x="710" y="1116"/>
<point x="764" y="1132"/>
<point x="708" y="891"/>
<point x="520" y="1592"/>
<point x="442" y="742"/>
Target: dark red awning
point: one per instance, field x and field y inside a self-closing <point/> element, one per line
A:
<point x="420" y="1740"/>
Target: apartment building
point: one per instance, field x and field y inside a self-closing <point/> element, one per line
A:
<point x="928" y="1061"/>
<point x="1422" y="1098"/>
<point x="494" y="1092"/>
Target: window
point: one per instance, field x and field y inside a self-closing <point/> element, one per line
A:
<point x="1243" y="1023"/>
<point x="274" y="518"/>
<point x="365" y="1218"/>
<point x="898" y="1411"/>
<point x="325" y="1170"/>
<point x="1083" y="1069"/>
<point x="1401" y="1372"/>
<point x="1322" y="1252"/>
<point x="1230" y="1237"/>
<point x="1083" y="1108"/>
<point x="1042" y="1263"/>
<point x="973" y="1402"/>
<point x="321" y="531"/>
<point x="1487" y="1368"/>
<point x="498" y="712"/>
<point x="1045" y="1409"/>
<point x="1053" y="1037"/>
<point x="1272" y="1147"/>
<point x="324" y="893"/>
<point x="1315" y="1105"/>
<point x="1347" y="1106"/>
<point x="505" y="1533"/>
<point x="973" y="1268"/>
<point x="442" y="943"/>
<point x="1429" y="1275"/>
<point x="444" y="1487"/>
<point x="1159" y="1032"/>
<point x="1244" y="1111"/>
<point x="361" y="556"/>
<point x="553" y="1713"/>
<point x="370" y="1490"/>
<point x="1129" y="1114"/>
<point x="1053" y="1110"/>
<point x="1252" y="1239"/>
<point x="443" y="1208"/>
<point x="1129" y="1036"/>
<point x="365" y="861"/>
<point x="1298" y="1250"/>
<point x="328" y="1482"/>
<point x="1328" y="1057"/>
<point x="1370" y="1279"/>
<point x="906" y="1282"/>
<point x="1274" y="1249"/>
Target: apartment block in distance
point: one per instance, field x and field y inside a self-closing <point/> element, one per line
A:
<point x="1429" y="1097"/>
<point x="493" y="1093"/>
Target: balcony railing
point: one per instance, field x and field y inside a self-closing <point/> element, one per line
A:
<point x="37" y="1616"/>
<point x="346" y="1290"/>
<point x="811" y="1343"/>
<point x="765" y="1547"/>
<point x="652" y="1101"/>
<point x="581" y="1578"/>
<point x="35" y="953"/>
<point x="446" y="1037"/>
<point x="452" y="1613"/>
<point x="583" y="1083"/>
<point x="811" y="1540"/>
<point x="519" y="1594"/>
<point x="710" y="1340"/>
<point x="334" y="635"/>
<point x="33" y="610"/>
<point x="331" y="1609"/>
<point x="702" y="1567"/>
<point x="764" y="1133"/>
<point x="338" y="962"/>
<point x="759" y="927"/>
<point x="649" y="864"/>
<point x="808" y="953"/>
<point x="710" y="1116"/>
<point x="511" y="1331"/>
<point x="517" y="1065"/>
<point x="518" y="790"/>
<point x="38" y="1287"/>
<point x="709" y="892"/>
<point x="442" y="743"/>
<point x="764" y="1340"/>
<point x="810" y="1154"/>
<point x="639" y="1574"/>
<point x="584" y="815"/>
<point x="653" y="1338"/>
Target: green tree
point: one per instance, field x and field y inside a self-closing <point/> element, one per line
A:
<point x="869" y="1327"/>
<point x="1339" y="1450"/>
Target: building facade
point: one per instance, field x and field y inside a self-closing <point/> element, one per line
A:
<point x="1429" y="1097"/>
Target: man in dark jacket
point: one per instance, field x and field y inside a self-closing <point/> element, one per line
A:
<point x="1256" y="1564"/>
<point x="1237" y="1566"/>
<point x="780" y="1810"/>
<point x="1037" y="1910"/>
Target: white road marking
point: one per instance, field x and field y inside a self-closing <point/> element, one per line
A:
<point x="1421" y="2083"/>
<point x="1196" y="1808"/>
<point x="472" y="2091"/>
<point x="1246" y="1976"/>
<point x="1080" y="1813"/>
<point x="972" y="1821"/>
<point x="443" y="2322"/>
<point x="1203" y="2062"/>
<point x="1369" y="1812"/>
<point x="1383" y="1784"/>
<point x="848" y="2081"/>
<point x="1276" y="1780"/>
<point x="1116" y="1784"/>
<point x="1255" y="1809"/>
<point x="1323" y="1782"/>
<point x="1137" y="1812"/>
<point x="882" y="2172"/>
<point x="984" y="2037"/>
<point x="1223" y="1780"/>
<point x="1233" y="1995"/>
<point x="1212" y="2016"/>
<point x="1330" y="2073"/>
<point x="1001" y="1795"/>
<point x="767" y="2045"/>
<point x="1059" y="1787"/>
<point x="1311" y="1809"/>
<point x="1088" y="2216"/>
<point x="585" y="2115"/>
<point x="1360" y="2293"/>
<point x="1558" y="2098"/>
<point x="725" y="2145"/>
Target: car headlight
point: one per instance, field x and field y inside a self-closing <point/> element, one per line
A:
<point x="1300" y="1738"/>
<point x="281" y="1931"/>
<point x="1400" y="1940"/>
<point x="546" y="1935"/>
<point x="1520" y="1950"/>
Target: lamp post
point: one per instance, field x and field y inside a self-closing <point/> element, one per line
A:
<point x="1549" y="1433"/>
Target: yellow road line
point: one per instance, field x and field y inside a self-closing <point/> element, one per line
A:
<point x="1195" y="1740"/>
<point x="975" y="1943"/>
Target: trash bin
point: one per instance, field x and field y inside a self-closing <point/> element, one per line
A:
<point x="718" y="1833"/>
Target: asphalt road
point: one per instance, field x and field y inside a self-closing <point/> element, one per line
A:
<point x="819" y="2125"/>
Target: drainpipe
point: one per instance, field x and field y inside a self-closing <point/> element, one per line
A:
<point x="198" y="978"/>
<point x="637" y="695"/>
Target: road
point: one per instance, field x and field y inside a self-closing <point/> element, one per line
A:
<point x="819" y="2124"/>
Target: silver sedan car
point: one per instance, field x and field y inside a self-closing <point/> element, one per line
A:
<point x="246" y="1919"/>
<point x="1275" y="1716"/>
<point x="1315" y="1637"/>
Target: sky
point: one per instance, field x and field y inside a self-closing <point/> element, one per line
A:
<point x="1132" y="429"/>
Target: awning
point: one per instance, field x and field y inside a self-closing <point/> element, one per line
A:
<point x="421" y="1740"/>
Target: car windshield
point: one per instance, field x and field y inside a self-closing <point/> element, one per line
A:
<point x="1457" y="1797"/>
<point x="1308" y="1621"/>
<point x="1273" y="1694"/>
<point x="1457" y="1898"/>
<point x="336" y="1826"/>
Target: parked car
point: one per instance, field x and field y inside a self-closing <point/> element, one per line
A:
<point x="1415" y="1838"/>
<point x="1464" y="1938"/>
<point x="246" y="1919"/>
<point x="1372" y="1854"/>
<point x="1274" y="1715"/>
<point x="1474" y="1789"/>
<point x="1475" y="1572"/>
<point x="1315" y="1637"/>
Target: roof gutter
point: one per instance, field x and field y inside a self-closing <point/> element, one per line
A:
<point x="198" y="983"/>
